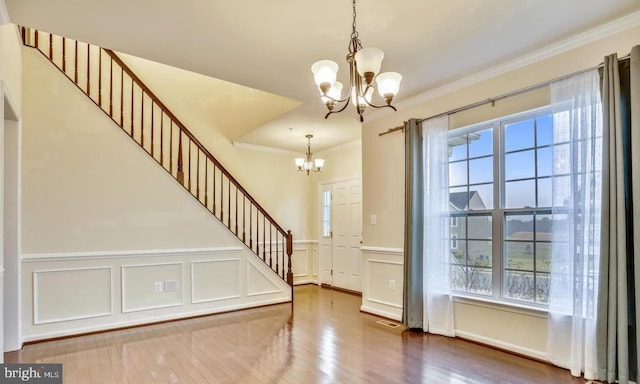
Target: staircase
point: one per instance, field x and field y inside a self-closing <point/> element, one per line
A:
<point x="114" y="88"/>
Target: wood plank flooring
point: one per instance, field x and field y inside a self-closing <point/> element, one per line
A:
<point x="323" y="339"/>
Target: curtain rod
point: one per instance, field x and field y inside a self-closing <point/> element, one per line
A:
<point x="517" y="92"/>
<point x="493" y="100"/>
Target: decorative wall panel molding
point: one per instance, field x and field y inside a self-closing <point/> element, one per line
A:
<point x="71" y="294"/>
<point x="214" y="280"/>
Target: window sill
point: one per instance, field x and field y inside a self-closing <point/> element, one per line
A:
<point x="485" y="302"/>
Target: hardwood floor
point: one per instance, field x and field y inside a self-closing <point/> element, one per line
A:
<point x="323" y="339"/>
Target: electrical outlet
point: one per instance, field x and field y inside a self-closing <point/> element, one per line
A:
<point x="158" y="287"/>
<point x="171" y="285"/>
<point x="392" y="284"/>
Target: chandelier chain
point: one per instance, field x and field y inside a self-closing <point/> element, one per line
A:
<point x="354" y="33"/>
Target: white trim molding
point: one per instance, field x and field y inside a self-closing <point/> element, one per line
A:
<point x="213" y="299"/>
<point x="36" y="297"/>
<point x="382" y="250"/>
<point x="379" y="312"/>
<point x="123" y="287"/>
<point x="71" y="256"/>
<point x="141" y="321"/>
<point x="540" y="355"/>
<point x="263" y="148"/>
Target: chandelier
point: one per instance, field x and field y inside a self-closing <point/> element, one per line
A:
<point x="364" y="65"/>
<point x="307" y="164"/>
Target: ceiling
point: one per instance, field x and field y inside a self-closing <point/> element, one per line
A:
<point x="267" y="47"/>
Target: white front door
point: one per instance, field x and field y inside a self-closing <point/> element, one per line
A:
<point x="346" y="223"/>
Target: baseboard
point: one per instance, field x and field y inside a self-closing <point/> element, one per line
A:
<point x="381" y="313"/>
<point x="349" y="291"/>
<point x="72" y="332"/>
<point x="508" y="347"/>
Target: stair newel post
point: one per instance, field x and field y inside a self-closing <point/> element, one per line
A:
<point x="180" y="175"/>
<point x="289" y="253"/>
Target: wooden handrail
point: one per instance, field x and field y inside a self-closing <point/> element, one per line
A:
<point x="188" y="133"/>
<point x="135" y="128"/>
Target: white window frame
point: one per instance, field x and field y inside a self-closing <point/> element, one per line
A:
<point x="498" y="212"/>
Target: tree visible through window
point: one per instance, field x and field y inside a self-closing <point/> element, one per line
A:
<point x="500" y="196"/>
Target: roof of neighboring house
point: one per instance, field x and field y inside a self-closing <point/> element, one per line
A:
<point x="461" y="200"/>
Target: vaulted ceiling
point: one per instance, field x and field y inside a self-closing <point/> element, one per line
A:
<point x="265" y="48"/>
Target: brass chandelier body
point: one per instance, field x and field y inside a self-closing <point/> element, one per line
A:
<point x="307" y="163"/>
<point x="364" y="65"/>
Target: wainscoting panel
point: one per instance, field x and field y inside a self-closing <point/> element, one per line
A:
<point x="213" y="280"/>
<point x="68" y="294"/>
<point x="304" y="262"/>
<point x="503" y="326"/>
<point x="300" y="259"/>
<point x="144" y="286"/>
<point x="71" y="294"/>
<point x="382" y="281"/>
<point x="258" y="283"/>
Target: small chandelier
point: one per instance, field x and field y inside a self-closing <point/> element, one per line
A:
<point x="307" y="164"/>
<point x="364" y="65"/>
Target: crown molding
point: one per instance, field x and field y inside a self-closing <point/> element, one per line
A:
<point x="576" y="41"/>
<point x="262" y="148"/>
<point x="4" y="13"/>
<point x="351" y="144"/>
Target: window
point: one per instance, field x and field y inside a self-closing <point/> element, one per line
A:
<point x="500" y="196"/>
<point x="326" y="213"/>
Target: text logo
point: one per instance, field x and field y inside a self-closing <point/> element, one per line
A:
<point x="31" y="373"/>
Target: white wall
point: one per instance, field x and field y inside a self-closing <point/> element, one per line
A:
<point x="103" y="224"/>
<point x="270" y="177"/>
<point x="523" y="331"/>
<point x="10" y="67"/>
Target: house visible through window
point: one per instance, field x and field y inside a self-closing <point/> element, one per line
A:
<point x="454" y="242"/>
<point x="500" y="198"/>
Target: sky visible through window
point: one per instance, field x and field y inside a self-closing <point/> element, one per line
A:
<point x="527" y="163"/>
<point x="513" y="159"/>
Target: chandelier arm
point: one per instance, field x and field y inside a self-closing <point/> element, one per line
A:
<point x="383" y="106"/>
<point x="346" y="104"/>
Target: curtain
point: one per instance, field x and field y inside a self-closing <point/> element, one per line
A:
<point x="426" y="297"/>
<point x="438" y="303"/>
<point x="618" y="311"/>
<point x="577" y="196"/>
<point x="413" y="295"/>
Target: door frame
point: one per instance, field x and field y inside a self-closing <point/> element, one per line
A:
<point x="328" y="185"/>
<point x="10" y="222"/>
